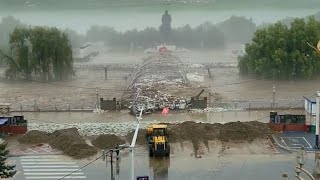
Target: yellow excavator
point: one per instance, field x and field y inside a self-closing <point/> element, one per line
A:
<point x="157" y="137"/>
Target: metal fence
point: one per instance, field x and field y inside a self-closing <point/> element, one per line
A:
<point x="253" y="104"/>
<point x="35" y="107"/>
<point x="91" y="105"/>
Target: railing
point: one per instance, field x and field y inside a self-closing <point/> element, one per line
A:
<point x="263" y="104"/>
<point x="35" y="106"/>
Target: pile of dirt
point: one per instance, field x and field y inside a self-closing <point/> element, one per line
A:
<point x="141" y="138"/>
<point x="34" y="137"/>
<point x="203" y="132"/>
<point x="244" y="131"/>
<point x="194" y="132"/>
<point x="71" y="143"/>
<point x="107" y="141"/>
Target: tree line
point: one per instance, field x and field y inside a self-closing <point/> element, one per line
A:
<point x="281" y="51"/>
<point x="206" y="35"/>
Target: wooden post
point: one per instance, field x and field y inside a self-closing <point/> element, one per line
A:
<point x="209" y="72"/>
<point x="35" y="105"/>
<point x="105" y="73"/>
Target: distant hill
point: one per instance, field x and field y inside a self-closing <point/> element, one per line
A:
<point x="154" y="4"/>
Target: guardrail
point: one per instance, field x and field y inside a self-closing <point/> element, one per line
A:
<point x="91" y="105"/>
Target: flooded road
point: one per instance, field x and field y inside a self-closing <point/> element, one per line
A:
<point x="181" y="166"/>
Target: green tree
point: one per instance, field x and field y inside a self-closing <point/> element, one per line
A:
<point x="6" y="171"/>
<point x="279" y="51"/>
<point x="39" y="53"/>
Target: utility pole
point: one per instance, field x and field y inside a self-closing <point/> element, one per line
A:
<point x="317" y="120"/>
<point x="209" y="72"/>
<point x="107" y="153"/>
<point x="111" y="164"/>
<point x="97" y="91"/>
<point x="210" y="96"/>
<point x="106" y="72"/>
<point x="273" y="95"/>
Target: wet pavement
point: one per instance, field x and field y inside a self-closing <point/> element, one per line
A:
<point x="230" y="161"/>
<point x="180" y="166"/>
<point x="294" y="140"/>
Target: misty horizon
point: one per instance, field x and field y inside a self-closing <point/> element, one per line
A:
<point x="82" y="21"/>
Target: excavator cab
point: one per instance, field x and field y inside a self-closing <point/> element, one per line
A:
<point x="157" y="138"/>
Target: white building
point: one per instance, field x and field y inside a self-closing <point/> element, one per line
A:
<point x="310" y="106"/>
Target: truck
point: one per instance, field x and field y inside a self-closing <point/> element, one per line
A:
<point x="157" y="138"/>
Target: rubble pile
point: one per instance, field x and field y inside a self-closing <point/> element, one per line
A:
<point x="155" y="79"/>
<point x="107" y="141"/>
<point x="34" y="137"/>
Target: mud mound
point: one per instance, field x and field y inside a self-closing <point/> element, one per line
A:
<point x="34" y="137"/>
<point x="107" y="141"/>
<point x="71" y="143"/>
<point x="204" y="132"/>
<point x="244" y="131"/>
<point x="69" y="131"/>
<point x="141" y="138"/>
<point x="194" y="132"/>
<point x="80" y="151"/>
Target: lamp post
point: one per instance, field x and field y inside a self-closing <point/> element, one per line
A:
<point x="317" y="119"/>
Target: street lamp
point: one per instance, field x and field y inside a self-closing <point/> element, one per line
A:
<point x="317" y="119"/>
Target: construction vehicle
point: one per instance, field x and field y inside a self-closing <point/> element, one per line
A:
<point x="157" y="138"/>
<point x="198" y="95"/>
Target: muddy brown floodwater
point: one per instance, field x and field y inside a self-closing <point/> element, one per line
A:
<point x="81" y="90"/>
<point x="124" y="116"/>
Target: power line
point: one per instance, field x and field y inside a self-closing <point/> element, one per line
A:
<point x="82" y="167"/>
